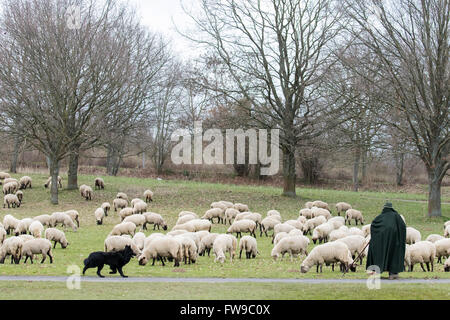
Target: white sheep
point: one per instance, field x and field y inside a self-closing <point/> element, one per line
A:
<point x="22" y="226"/>
<point x="87" y="193"/>
<point x="11" y="200"/>
<point x="99" y="183"/>
<point x="337" y="222"/>
<point x="138" y="219"/>
<point x="152" y="237"/>
<point x="337" y="234"/>
<point x="356" y="231"/>
<point x="188" y="248"/>
<point x="219" y="205"/>
<point x="355" y="244"/>
<point x="306" y="212"/>
<point x="366" y="230"/>
<point x="122" y="195"/>
<point x="10" y="223"/>
<point x="206" y="243"/>
<point x="183" y="213"/>
<point x="58" y="236"/>
<point x="442" y="249"/>
<point x="342" y="207"/>
<point x="162" y="247"/>
<point x="11" y="247"/>
<point x="447" y="265"/>
<point x="313" y="223"/>
<point x="328" y="253"/>
<point x="447" y="231"/>
<point x="267" y="224"/>
<point x="215" y="213"/>
<point x="176" y="232"/>
<point x="281" y="227"/>
<point x="139" y="240"/>
<point x="322" y="232"/>
<point x="119" y="203"/>
<point x="249" y="245"/>
<point x="225" y="243"/>
<point x="321" y="204"/>
<point x="320" y="212"/>
<point x="420" y="252"/>
<point x="74" y="215"/>
<point x="241" y="207"/>
<point x="10" y="187"/>
<point x="447" y="223"/>
<point x="434" y="237"/>
<point x="125" y="212"/>
<point x="118" y="243"/>
<point x="2" y="234"/>
<point x="201" y="224"/>
<point x="412" y="235"/>
<point x="19" y="195"/>
<point x="156" y="219"/>
<point x="295" y="223"/>
<point x="36" y="228"/>
<point x="294" y="245"/>
<point x="308" y="205"/>
<point x="230" y="214"/>
<point x="4" y="175"/>
<point x="25" y="182"/>
<point x="244" y="225"/>
<point x="274" y="214"/>
<point x="254" y="216"/>
<point x="106" y="206"/>
<point x="37" y="246"/>
<point x="139" y="207"/>
<point x="354" y="214"/>
<point x="148" y="195"/>
<point x="279" y="236"/>
<point x="185" y="218"/>
<point x="99" y="215"/>
<point x="123" y="228"/>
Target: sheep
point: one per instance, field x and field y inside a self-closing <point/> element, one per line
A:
<point x="215" y="213"/>
<point x="412" y="235"/>
<point x="295" y="223"/>
<point x="337" y="234"/>
<point x="185" y="219"/>
<point x="294" y="245"/>
<point x="87" y="193"/>
<point x="447" y="265"/>
<point x="250" y="246"/>
<point x="447" y="223"/>
<point x="241" y="207"/>
<point x="11" y="200"/>
<point x="48" y="184"/>
<point x="295" y="232"/>
<point x="37" y="246"/>
<point x="206" y="243"/>
<point x="188" y="226"/>
<point x="227" y="204"/>
<point x="139" y="207"/>
<point x="328" y="253"/>
<point x="244" y="225"/>
<point x="267" y="224"/>
<point x="337" y="222"/>
<point x="188" y="248"/>
<point x="119" y="203"/>
<point x="134" y="201"/>
<point x="312" y="223"/>
<point x="322" y="232"/>
<point x="306" y="212"/>
<point x="36" y="228"/>
<point x="156" y="219"/>
<point x="321" y="204"/>
<point x="184" y="213"/>
<point x="106" y="206"/>
<point x="442" y="249"/>
<point x="279" y="236"/>
<point x="10" y="223"/>
<point x="301" y="219"/>
<point x="434" y="237"/>
<point x="354" y="214"/>
<point x="58" y="236"/>
<point x="254" y="216"/>
<point x="19" y="195"/>
<point x="74" y="215"/>
<point x="123" y="228"/>
<point x="11" y="247"/>
<point x="22" y="226"/>
<point x="201" y="234"/>
<point x="25" y="182"/>
<point x="10" y="188"/>
<point x="342" y="207"/>
<point x="26" y="237"/>
<point x="219" y="205"/>
<point x="447" y="231"/>
<point x="282" y="227"/>
<point x="62" y="218"/>
<point x="2" y="234"/>
<point x="230" y="214"/>
<point x="152" y="237"/>
<point x="125" y="212"/>
<point x="99" y="183"/>
<point x="201" y="224"/>
<point x="308" y="205"/>
<point x="355" y="244"/>
<point x="44" y="219"/>
<point x="225" y="243"/>
<point x="420" y="252"/>
<point x="4" y="175"/>
<point x="122" y="195"/>
<point x="138" y="219"/>
<point x="148" y="195"/>
<point x="356" y="231"/>
<point x="366" y="230"/>
<point x="274" y="214"/>
<point x="118" y="243"/>
<point x="162" y="247"/>
<point x="99" y="215"/>
<point x="139" y="240"/>
<point x="320" y="212"/>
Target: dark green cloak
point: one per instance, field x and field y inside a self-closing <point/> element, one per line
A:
<point x="387" y="242"/>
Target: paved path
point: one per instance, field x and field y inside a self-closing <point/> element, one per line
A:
<point x="211" y="280"/>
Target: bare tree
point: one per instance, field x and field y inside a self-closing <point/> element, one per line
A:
<point x="411" y="41"/>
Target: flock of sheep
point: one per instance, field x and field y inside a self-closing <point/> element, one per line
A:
<point x="191" y="235"/>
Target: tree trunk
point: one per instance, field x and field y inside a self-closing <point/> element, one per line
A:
<point x="72" y="173"/>
<point x="54" y="172"/>
<point x="434" y="193"/>
<point x="15" y="156"/>
<point x="289" y="175"/>
<point x="364" y="166"/>
<point x="356" y="169"/>
<point x="399" y="159"/>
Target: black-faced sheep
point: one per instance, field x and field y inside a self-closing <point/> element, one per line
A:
<point x="11" y="200"/>
<point x="120" y="203"/>
<point x="162" y="247"/>
<point x="342" y="207"/>
<point x="294" y="245"/>
<point x="148" y="195"/>
<point x="249" y="245"/>
<point x="420" y="252"/>
<point x="354" y="214"/>
<point x="25" y="182"/>
<point x="244" y="225"/>
<point x="48" y="184"/>
<point x="328" y="253"/>
<point x="37" y="246"/>
<point x="412" y="235"/>
<point x="225" y="243"/>
<point x="58" y="236"/>
<point x="11" y="247"/>
<point x="99" y="215"/>
<point x="99" y="183"/>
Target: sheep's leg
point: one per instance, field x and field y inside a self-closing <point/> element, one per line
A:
<point x="240" y="254"/>
<point x="44" y="256"/>
<point x="421" y="264"/>
<point x="162" y="261"/>
<point x="428" y="266"/>
<point x="432" y="265"/>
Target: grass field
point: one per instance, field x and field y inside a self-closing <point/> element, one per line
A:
<point x="170" y="197"/>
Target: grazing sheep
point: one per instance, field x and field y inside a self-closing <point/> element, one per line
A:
<point x="152" y="237"/>
<point x="139" y="207"/>
<point x="37" y="246"/>
<point x="354" y="214"/>
<point x="215" y="213"/>
<point x="11" y="247"/>
<point x="26" y="237"/>
<point x="106" y="207"/>
<point x="134" y="201"/>
<point x="294" y="245"/>
<point x="301" y="219"/>
<point x="176" y="232"/>
<point x="279" y="236"/>
<point x="337" y="234"/>
<point x="201" y="224"/>
<point x="295" y="223"/>
<point x="321" y="204"/>
<point x="342" y="207"/>
<point x="337" y="222"/>
<point x="412" y="235"/>
<point x="230" y="214"/>
<point x="227" y="204"/>
<point x="447" y="265"/>
<point x="62" y="218"/>
<point x="328" y="253"/>
<point x="442" y="249"/>
<point x="122" y="195"/>
<point x="306" y="212"/>
<point x="274" y="214"/>
<point x="118" y="243"/>
<point x="183" y="213"/>
<point x="22" y="226"/>
<point x="225" y="243"/>
<point x="25" y="182"/>
<point x="250" y="246"/>
<point x="99" y="215"/>
<point x="58" y="236"/>
<point x="10" y="188"/>
<point x="434" y="237"/>
<point x="10" y="223"/>
<point x="185" y="218"/>
<point x="148" y="195"/>
<point x="48" y="184"/>
<point x="281" y="227"/>
<point x="241" y="207"/>
<point x="188" y="248"/>
<point x="123" y="228"/>
<point x="206" y="243"/>
<point x="267" y="224"/>
<point x="219" y="205"/>
<point x="447" y="231"/>
<point x="11" y="200"/>
<point x="87" y="193"/>
<point x="254" y="216"/>
<point x="2" y="234"/>
<point x="74" y="215"/>
<point x="420" y="252"/>
<point x="99" y="183"/>
<point x="36" y="228"/>
<point x="322" y="232"/>
<point x="19" y="195"/>
<point x="119" y="203"/>
<point x="138" y="219"/>
<point x="355" y="244"/>
<point x="139" y="240"/>
<point x="125" y="212"/>
<point x="4" y="175"/>
<point x="320" y="212"/>
<point x="244" y="225"/>
<point x="162" y="247"/>
<point x="313" y="223"/>
<point x="156" y="219"/>
<point x="308" y="205"/>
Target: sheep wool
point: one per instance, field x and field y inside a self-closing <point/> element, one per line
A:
<point x="37" y="246"/>
<point x="342" y="207"/>
<point x="412" y="235"/>
<point x="329" y="253"/>
<point x="294" y="245"/>
<point x="420" y="252"/>
<point x="58" y="236"/>
<point x="249" y="245"/>
<point x="11" y="247"/>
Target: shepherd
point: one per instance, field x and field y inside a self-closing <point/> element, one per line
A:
<point x="388" y="242"/>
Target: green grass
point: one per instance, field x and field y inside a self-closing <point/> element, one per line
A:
<point x="170" y="197"/>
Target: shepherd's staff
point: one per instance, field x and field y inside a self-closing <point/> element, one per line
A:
<point x="359" y="255"/>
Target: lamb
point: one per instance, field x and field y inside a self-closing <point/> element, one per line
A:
<point x="215" y="213"/>
<point x="25" y="182"/>
<point x="125" y="212"/>
<point x="442" y="249"/>
<point x="312" y="223"/>
<point x="267" y="224"/>
<point x="122" y="195"/>
<point x="241" y="207"/>
<point x="321" y="204"/>
<point x="434" y="237"/>
<point x="322" y="232"/>
<point x="328" y="253"/>
<point x="148" y="195"/>
<point x="106" y="207"/>
<point x="250" y="246"/>
<point x="138" y="219"/>
<point x="37" y="246"/>
<point x="342" y="207"/>
<point x="123" y="228"/>
<point x="53" y="234"/>
<point x="155" y="219"/>
<point x="99" y="215"/>
<point x="99" y="183"/>
<point x="162" y="247"/>
<point x="19" y="195"/>
<point x="306" y="212"/>
<point x="10" y="223"/>
<point x="10" y="188"/>
<point x="420" y="252"/>
<point x="320" y="212"/>
<point x="48" y="184"/>
<point x="119" y="203"/>
<point x="118" y="243"/>
<point x="22" y="226"/>
<point x="206" y="243"/>
<point x="11" y="200"/>
<point x="11" y="247"/>
<point x="45" y="219"/>
<point x="36" y="228"/>
<point x="294" y="245"/>
<point x="230" y="214"/>
<point x="244" y="225"/>
<point x="139" y="207"/>
<point x="139" y="240"/>
<point x="354" y="214"/>
<point x="225" y="243"/>
<point x="412" y="235"/>
<point x="74" y="215"/>
<point x="188" y="248"/>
